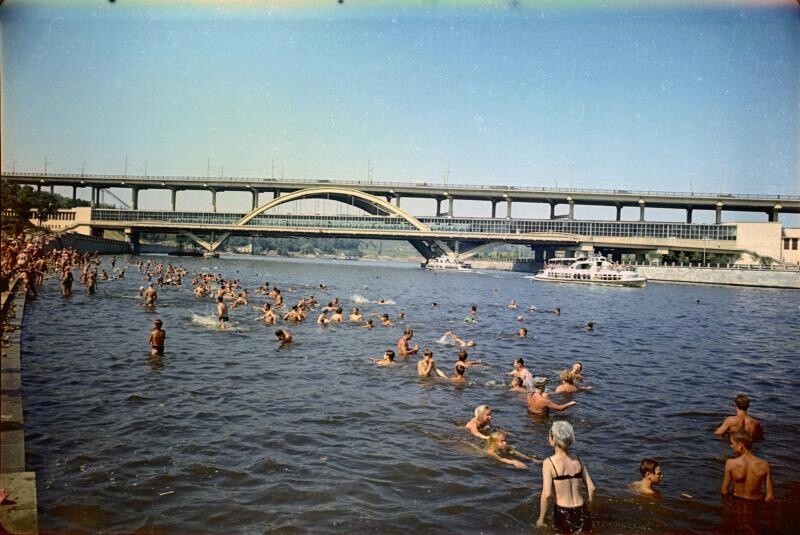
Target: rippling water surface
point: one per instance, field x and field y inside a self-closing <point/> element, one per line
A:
<point x="228" y="433"/>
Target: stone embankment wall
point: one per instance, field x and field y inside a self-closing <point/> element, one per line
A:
<point x="89" y="244"/>
<point x="768" y="278"/>
<point x="18" y="513"/>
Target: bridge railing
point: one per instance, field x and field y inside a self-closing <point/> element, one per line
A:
<point x="624" y="229"/>
<point x="261" y="181"/>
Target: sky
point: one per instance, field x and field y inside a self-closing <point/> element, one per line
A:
<point x="672" y="96"/>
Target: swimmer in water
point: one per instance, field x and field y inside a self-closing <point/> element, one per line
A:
<point x="450" y="338"/>
<point x="385" y="321"/>
<point x="404" y="348"/>
<point x="387" y="360"/>
<point x="479" y="425"/>
<point x="157" y="337"/>
<point x="652" y="475"/>
<point x="517" y="386"/>
<point x="746" y="474"/>
<point x="285" y="337"/>
<point x="521" y="371"/>
<point x="355" y="316"/>
<point x="523" y="332"/>
<point x="565" y="476"/>
<point x="741" y="421"/>
<point x="568" y="385"/>
<point x="369" y="324"/>
<point x="499" y="450"/>
<point x="577" y="368"/>
<point x="461" y="366"/>
<point x="589" y="327"/>
<point x="427" y="366"/>
<point x="222" y="312"/>
<point x="538" y="401"/>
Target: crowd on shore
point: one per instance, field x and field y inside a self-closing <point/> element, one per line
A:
<point x="565" y="477"/>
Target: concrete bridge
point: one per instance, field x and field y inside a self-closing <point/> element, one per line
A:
<point x="431" y="236"/>
<point x="445" y="195"/>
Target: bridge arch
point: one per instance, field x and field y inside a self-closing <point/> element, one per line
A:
<point x="345" y="195"/>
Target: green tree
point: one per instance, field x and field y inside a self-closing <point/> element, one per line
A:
<point x="25" y="203"/>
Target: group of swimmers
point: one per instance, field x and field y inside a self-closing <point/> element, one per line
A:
<point x="565" y="478"/>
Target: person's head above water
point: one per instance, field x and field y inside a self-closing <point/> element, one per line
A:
<point x="483" y="413"/>
<point x="742" y="402"/>
<point x="562" y="434"/>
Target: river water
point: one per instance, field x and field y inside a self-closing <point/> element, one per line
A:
<point x="228" y="433"/>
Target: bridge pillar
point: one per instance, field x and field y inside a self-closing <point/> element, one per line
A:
<point x="552" y="210"/>
<point x="494" y="208"/>
<point x="449" y="207"/>
<point x="508" y="209"/>
<point x="619" y="212"/>
<point x="173" y="197"/>
<point x="52" y="189"/>
<point x="689" y="215"/>
<point x="39" y="188"/>
<point x="439" y="206"/>
<point x="773" y="214"/>
<point x="74" y="193"/>
<point x="133" y="238"/>
<point x="95" y="196"/>
<point x="254" y="204"/>
<point x="571" y="210"/>
<point x="135" y="198"/>
<point x="397" y="200"/>
<point x="641" y="210"/>
<point x="213" y="201"/>
<point x="719" y="213"/>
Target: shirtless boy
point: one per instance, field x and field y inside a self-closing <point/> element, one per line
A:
<point x="222" y="312"/>
<point x="387" y="360"/>
<point x="652" y="475"/>
<point x="741" y="421"/>
<point x="404" y="348"/>
<point x="746" y="474"/>
<point x="426" y="366"/>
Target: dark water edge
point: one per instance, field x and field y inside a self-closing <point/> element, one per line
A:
<point x="228" y="433"/>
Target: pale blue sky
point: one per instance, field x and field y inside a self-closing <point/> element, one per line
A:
<point x="620" y="97"/>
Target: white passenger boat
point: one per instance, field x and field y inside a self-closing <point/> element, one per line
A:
<point x="446" y="263"/>
<point x="591" y="270"/>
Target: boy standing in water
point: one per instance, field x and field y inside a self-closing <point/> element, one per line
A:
<point x="651" y="476"/>
<point x="746" y="474"/>
<point x="157" y="337"/>
<point x="222" y="312"/>
<point x="741" y="421"/>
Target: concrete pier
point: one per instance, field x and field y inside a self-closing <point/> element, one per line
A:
<point x="18" y="513"/>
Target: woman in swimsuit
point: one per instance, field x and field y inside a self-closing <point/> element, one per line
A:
<point x="564" y="474"/>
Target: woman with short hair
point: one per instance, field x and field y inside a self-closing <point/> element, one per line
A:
<point x="565" y="475"/>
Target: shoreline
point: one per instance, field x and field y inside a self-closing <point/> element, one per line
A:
<point x="19" y="513"/>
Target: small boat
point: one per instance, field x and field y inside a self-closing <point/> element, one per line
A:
<point x="211" y="254"/>
<point x="445" y="263"/>
<point x="591" y="270"/>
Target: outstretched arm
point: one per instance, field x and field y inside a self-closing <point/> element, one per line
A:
<point x="723" y="428"/>
<point x="555" y="406"/>
<point x="511" y="462"/>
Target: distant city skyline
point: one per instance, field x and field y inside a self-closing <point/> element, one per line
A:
<point x="684" y="98"/>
